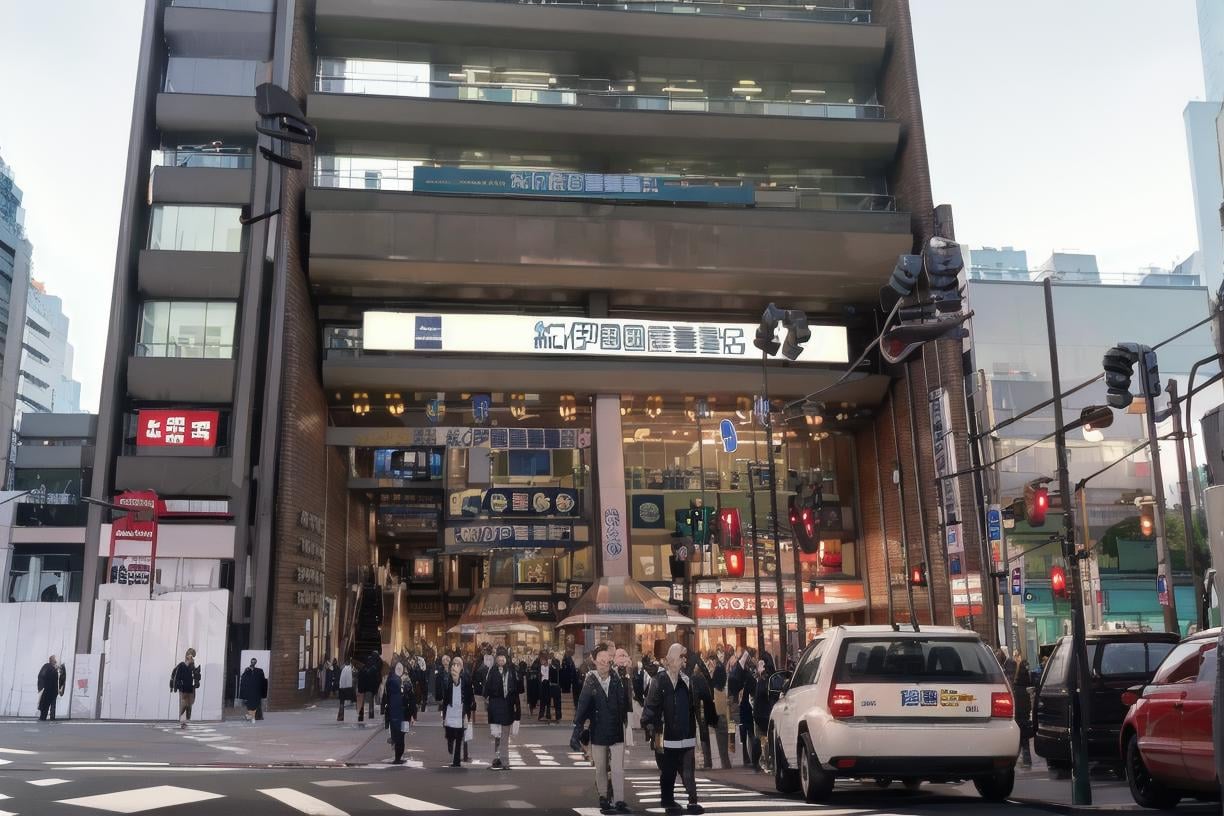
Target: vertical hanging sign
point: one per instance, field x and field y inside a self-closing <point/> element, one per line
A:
<point x="612" y="518"/>
<point x="944" y="449"/>
<point x="138" y="524"/>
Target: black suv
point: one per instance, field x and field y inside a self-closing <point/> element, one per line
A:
<point x="1117" y="660"/>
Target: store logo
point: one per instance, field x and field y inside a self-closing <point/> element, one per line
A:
<point x="428" y="333"/>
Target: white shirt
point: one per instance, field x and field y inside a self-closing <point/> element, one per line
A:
<point x="346" y="677"/>
<point x="454" y="714"/>
<point x="606" y="682"/>
<point x="543" y="671"/>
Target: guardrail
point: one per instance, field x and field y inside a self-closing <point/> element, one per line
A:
<point x="530" y="93"/>
<point x="829" y="11"/>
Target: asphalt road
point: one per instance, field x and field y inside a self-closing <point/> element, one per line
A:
<point x="127" y="768"/>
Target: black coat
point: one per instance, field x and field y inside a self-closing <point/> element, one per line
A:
<point x="503" y="709"/>
<point x="48" y="680"/>
<point x="478" y="677"/>
<point x="720" y="678"/>
<point x="569" y="674"/>
<point x="661" y="711"/>
<point x="370" y="676"/>
<point x="554" y="676"/>
<point x="762" y="704"/>
<point x="469" y="698"/>
<point x="533" y="683"/>
<point x="606" y="712"/>
<point x="185" y="678"/>
<point x="252" y="687"/>
<point x="401" y="702"/>
<point x="705" y="696"/>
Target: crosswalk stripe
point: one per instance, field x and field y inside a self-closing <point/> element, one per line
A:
<point x="141" y="799"/>
<point x="42" y="783"/>
<point x="407" y="802"/>
<point x="102" y="762"/>
<point x="769" y="803"/>
<point x="18" y="751"/>
<point x="302" y="802"/>
<point x="737" y="795"/>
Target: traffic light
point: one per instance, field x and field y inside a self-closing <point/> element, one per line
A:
<point x="734" y="559"/>
<point x="1058" y="583"/>
<point x="1036" y="503"/>
<point x="1119" y="363"/>
<point x="729" y="528"/>
<point x="943" y="262"/>
<point x="901" y="284"/>
<point x="803" y="525"/>
<point x="1147" y="520"/>
<point x="797" y="332"/>
<point x="918" y="575"/>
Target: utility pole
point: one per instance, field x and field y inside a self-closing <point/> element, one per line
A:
<point x="756" y="555"/>
<point x="1164" y="566"/>
<point x="1081" y="785"/>
<point x="1183" y="487"/>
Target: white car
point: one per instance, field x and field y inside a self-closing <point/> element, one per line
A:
<point x="881" y="703"/>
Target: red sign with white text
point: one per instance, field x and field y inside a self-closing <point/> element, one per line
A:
<point x="177" y="429"/>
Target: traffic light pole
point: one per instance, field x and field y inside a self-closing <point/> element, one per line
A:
<point x="1081" y="785"/>
<point x="1183" y="487"/>
<point x="756" y="553"/>
<point x="1164" y="566"/>
<point x="783" y="634"/>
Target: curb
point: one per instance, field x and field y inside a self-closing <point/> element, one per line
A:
<point x="1063" y="808"/>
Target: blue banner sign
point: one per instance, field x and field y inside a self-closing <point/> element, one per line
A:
<point x="559" y="184"/>
<point x="531" y="501"/>
<point x="507" y="535"/>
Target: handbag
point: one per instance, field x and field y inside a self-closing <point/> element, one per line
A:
<point x="514" y="728"/>
<point x="467" y="732"/>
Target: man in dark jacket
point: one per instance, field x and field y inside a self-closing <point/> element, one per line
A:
<point x="368" y="682"/>
<point x="185" y="679"/>
<point x="532" y="677"/>
<point x="762" y="705"/>
<point x="484" y="662"/>
<point x="252" y="689"/>
<point x="48" y="687"/>
<point x="670" y="721"/>
<point x="458" y="705"/>
<point x="707" y="716"/>
<point x="741" y="687"/>
<point x="602" y="704"/>
<point x="501" y="695"/>
<point x="401" y="709"/>
<point x="550" y="687"/>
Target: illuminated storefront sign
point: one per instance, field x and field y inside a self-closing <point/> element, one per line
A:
<point x="580" y="336"/>
<point x="177" y="429"/>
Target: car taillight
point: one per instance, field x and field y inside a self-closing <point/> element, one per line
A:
<point x="841" y="703"/>
<point x="1002" y="705"/>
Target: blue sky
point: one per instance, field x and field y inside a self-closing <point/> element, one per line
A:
<point x="1051" y="125"/>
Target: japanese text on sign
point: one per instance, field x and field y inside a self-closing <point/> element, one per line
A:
<point x="175" y="429"/>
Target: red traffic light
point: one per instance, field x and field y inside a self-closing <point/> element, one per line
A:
<point x="1058" y="583"/>
<point x="918" y="576"/>
<point x="728" y="528"/>
<point x="1036" y="503"/>
<point x="1147" y="520"/>
<point x="735" y="563"/>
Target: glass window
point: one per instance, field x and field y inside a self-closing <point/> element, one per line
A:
<point x="196" y="229"/>
<point x="187" y="328"/>
<point x="220" y="77"/>
<point x="806" y="673"/>
<point x="1123" y="658"/>
<point x="889" y="660"/>
<point x="1054" y="676"/>
<point x="1211" y="659"/>
<point x="1156" y="653"/>
<point x="1181" y="666"/>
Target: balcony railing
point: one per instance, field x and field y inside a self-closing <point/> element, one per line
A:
<point x="826" y="11"/>
<point x="847" y="193"/>
<point x="186" y="351"/>
<point x="686" y="100"/>
<point x="227" y="5"/>
<point x="221" y="159"/>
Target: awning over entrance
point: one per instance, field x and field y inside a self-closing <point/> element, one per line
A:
<point x="493" y="611"/>
<point x="621" y="600"/>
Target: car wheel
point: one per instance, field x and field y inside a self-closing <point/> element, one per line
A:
<point x="815" y="782"/>
<point x="786" y="780"/>
<point x="1145" y="789"/>
<point x="998" y="786"/>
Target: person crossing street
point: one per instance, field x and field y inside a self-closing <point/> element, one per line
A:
<point x="501" y="693"/>
<point x="670" y="721"/>
<point x="185" y="679"/>
<point x="458" y="705"/>
<point x="602" y="704"/>
<point x="50" y="686"/>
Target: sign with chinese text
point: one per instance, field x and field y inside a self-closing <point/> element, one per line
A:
<point x="994" y="534"/>
<point x="559" y="184"/>
<point x="1017" y="581"/>
<point x="507" y="534"/>
<point x="558" y="335"/>
<point x="177" y="429"/>
<point x="131" y="571"/>
<point x="538" y="608"/>
<point x="461" y="437"/>
<point x="1162" y="591"/>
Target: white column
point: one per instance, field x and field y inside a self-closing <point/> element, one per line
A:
<point x="611" y="517"/>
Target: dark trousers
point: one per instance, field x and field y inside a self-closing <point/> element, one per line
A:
<point x="550" y="697"/>
<point x="454" y="743"/>
<point x="748" y="740"/>
<point x="703" y="736"/>
<point x="397" y="739"/>
<point x="677" y="761"/>
<point x="577" y="693"/>
<point x="46" y="705"/>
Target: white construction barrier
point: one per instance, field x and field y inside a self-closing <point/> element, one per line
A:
<point x="29" y="634"/>
<point x="146" y="639"/>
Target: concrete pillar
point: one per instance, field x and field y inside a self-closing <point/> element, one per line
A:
<point x="611" y="519"/>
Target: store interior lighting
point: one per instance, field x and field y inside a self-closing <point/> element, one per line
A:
<point x="361" y="403"/>
<point x="395" y="404"/>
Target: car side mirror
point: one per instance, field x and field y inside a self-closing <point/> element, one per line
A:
<point x="1132" y="695"/>
<point x="777" y="684"/>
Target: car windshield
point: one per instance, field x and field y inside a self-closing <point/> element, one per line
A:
<point x="913" y="660"/>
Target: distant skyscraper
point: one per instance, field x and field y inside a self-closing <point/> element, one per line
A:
<point x="1005" y="263"/>
<point x="15" y="260"/>
<point x="1204" y="147"/>
<point x="45" y="380"/>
